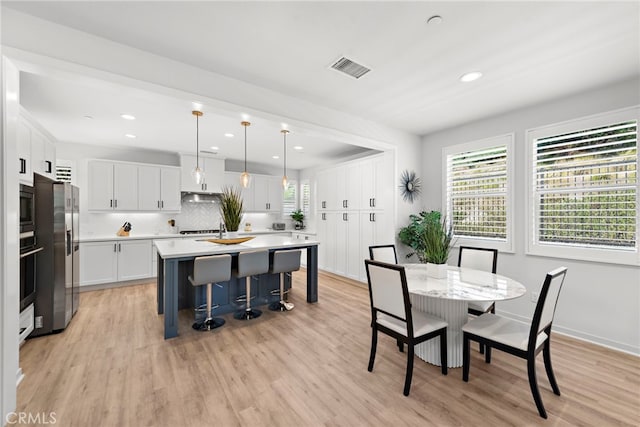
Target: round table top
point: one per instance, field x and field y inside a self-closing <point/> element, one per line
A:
<point x="462" y="284"/>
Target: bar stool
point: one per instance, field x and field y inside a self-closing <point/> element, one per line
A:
<point x="206" y="271"/>
<point x="250" y="264"/>
<point x="284" y="263"/>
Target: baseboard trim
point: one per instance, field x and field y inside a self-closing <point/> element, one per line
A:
<point x="101" y="286"/>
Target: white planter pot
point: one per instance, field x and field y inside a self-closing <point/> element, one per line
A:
<point x="230" y="234"/>
<point x="437" y="271"/>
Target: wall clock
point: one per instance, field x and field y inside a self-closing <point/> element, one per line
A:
<point x="409" y="185"/>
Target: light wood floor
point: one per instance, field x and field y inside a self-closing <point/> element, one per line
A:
<point x="111" y="367"/>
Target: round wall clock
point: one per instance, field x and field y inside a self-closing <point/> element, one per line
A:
<point x="409" y="185"/>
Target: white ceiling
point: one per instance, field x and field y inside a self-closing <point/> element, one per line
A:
<point x="529" y="52"/>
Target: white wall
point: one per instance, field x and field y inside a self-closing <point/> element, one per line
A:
<point x="599" y="302"/>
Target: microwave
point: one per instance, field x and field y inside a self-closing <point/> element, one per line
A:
<point x="27" y="209"/>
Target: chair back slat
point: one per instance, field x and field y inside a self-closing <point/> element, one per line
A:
<point x="547" y="301"/>
<point x="386" y="288"/>
<point x="384" y="253"/>
<point x="478" y="258"/>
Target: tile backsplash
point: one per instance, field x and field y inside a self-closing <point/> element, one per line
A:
<point x="193" y="216"/>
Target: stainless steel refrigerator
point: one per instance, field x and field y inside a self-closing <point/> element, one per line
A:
<point x="57" y="224"/>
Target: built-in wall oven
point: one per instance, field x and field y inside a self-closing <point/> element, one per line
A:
<point x="28" y="247"/>
<point x="27" y="209"/>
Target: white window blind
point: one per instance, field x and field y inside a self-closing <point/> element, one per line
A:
<point x="477" y="191"/>
<point x="585" y="187"/>
<point x="306" y="198"/>
<point x="289" y="199"/>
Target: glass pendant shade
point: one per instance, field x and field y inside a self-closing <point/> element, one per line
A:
<point x="198" y="175"/>
<point x="284" y="182"/>
<point x="245" y="178"/>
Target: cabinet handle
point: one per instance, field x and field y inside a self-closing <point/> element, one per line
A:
<point x="158" y="204"/>
<point x="119" y="247"/>
<point x="110" y="203"/>
<point x="115" y="203"/>
<point x="23" y="165"/>
<point x="306" y="237"/>
<point x="115" y="247"/>
<point x="346" y="204"/>
<point x="373" y="202"/>
<point x="49" y="165"/>
<point x="162" y="203"/>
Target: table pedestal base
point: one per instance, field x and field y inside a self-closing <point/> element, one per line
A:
<point x="454" y="312"/>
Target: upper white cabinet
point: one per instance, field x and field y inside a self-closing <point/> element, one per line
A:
<point x="158" y="188"/>
<point x="376" y="174"/>
<point x="112" y="186"/>
<point x="213" y="174"/>
<point x="264" y="193"/>
<point x="36" y="150"/>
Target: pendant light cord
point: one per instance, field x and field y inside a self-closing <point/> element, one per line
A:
<point x="245" y="148"/>
<point x="197" y="142"/>
<point x="285" y="153"/>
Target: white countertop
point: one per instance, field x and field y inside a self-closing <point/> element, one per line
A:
<point x="136" y="236"/>
<point x="176" y="248"/>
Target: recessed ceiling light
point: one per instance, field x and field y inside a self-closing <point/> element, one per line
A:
<point x="298" y="147"/>
<point x="229" y="135"/>
<point x="469" y="77"/>
<point x="88" y="117"/>
<point x="435" y="20"/>
<point x="127" y="116"/>
<point x="130" y="135"/>
<point x="215" y="148"/>
<point x="275" y="157"/>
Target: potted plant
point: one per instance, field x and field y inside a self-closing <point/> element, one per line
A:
<point x="297" y="217"/>
<point x="437" y="238"/>
<point x="231" y="208"/>
<point x="411" y="235"/>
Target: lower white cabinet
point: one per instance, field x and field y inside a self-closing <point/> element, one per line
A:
<point x="114" y="261"/>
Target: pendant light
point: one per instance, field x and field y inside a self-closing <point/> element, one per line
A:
<point x="284" y="175"/>
<point x="245" y="178"/>
<point x="197" y="173"/>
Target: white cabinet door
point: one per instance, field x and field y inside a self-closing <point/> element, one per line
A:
<point x="37" y="152"/>
<point x="375" y="229"/>
<point x="149" y="188"/>
<point x="322" y="190"/>
<point x="276" y="192"/>
<point x="100" y="189"/>
<point x="25" y="173"/>
<point x="260" y="189"/>
<point x="125" y="187"/>
<point x="50" y="159"/>
<point x="353" y="186"/>
<point x="134" y="260"/>
<point x="98" y="263"/>
<point x="327" y="236"/>
<point x="170" y="189"/>
<point x="214" y="174"/>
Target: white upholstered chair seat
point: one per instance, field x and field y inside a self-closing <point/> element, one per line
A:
<point x="423" y="323"/>
<point x="502" y="330"/>
<point x="483" y="306"/>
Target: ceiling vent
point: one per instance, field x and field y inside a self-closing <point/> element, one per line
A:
<point x="350" y="68"/>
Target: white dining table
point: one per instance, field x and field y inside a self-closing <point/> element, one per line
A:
<point x="448" y="298"/>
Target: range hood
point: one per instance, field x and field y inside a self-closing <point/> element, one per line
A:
<point x="190" y="197"/>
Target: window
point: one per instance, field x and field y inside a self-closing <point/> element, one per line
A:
<point x="305" y="199"/>
<point x="478" y="191"/>
<point x="289" y="199"/>
<point x="584" y="188"/>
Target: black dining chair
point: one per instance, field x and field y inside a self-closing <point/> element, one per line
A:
<point x="518" y="338"/>
<point x="391" y="314"/>
<point x="384" y="253"/>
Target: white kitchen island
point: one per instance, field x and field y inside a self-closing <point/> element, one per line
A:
<point x="172" y="253"/>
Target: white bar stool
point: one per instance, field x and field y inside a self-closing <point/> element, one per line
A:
<point x="206" y="271"/>
<point x="250" y="264"/>
<point x="284" y="263"/>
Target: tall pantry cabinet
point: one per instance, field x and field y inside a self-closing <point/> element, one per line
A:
<point x="355" y="211"/>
